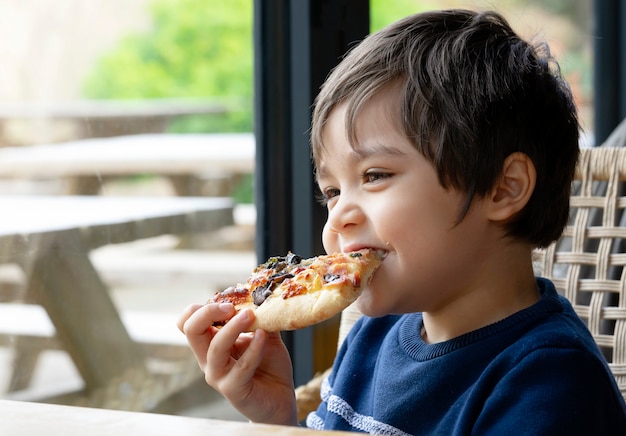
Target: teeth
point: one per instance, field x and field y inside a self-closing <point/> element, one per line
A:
<point x="381" y="253"/>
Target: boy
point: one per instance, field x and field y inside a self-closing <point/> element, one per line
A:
<point x="450" y="143"/>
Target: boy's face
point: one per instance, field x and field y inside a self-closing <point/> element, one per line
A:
<point x="384" y="195"/>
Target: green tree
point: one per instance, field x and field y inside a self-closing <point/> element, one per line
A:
<point x="193" y="50"/>
<point x="383" y="12"/>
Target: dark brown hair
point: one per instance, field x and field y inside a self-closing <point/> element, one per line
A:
<point x="472" y="93"/>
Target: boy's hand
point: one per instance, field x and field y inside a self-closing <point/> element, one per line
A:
<point x="252" y="371"/>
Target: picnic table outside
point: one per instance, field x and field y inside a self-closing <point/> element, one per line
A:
<point x="50" y="238"/>
<point x="184" y="158"/>
<point x="104" y="118"/>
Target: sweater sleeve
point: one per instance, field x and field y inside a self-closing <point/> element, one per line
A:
<point x="523" y="397"/>
<point x="317" y="419"/>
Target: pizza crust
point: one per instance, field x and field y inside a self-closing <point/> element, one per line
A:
<point x="278" y="314"/>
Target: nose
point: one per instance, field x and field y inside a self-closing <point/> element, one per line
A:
<point x="346" y="214"/>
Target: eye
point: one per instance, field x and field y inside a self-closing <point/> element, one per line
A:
<point x="372" y="176"/>
<point x="326" y="195"/>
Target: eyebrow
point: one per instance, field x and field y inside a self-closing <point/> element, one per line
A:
<point x="368" y="150"/>
<point x="362" y="152"/>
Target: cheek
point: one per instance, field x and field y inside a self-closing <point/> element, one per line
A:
<point x="329" y="240"/>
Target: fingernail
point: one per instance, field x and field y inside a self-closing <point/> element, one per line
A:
<point x="245" y="314"/>
<point x="225" y="307"/>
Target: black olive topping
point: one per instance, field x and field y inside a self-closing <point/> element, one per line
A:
<point x="279" y="278"/>
<point x="271" y="262"/>
<point x="278" y="264"/>
<point x="293" y="259"/>
<point x="260" y="294"/>
<point x="331" y="277"/>
<point x="356" y="254"/>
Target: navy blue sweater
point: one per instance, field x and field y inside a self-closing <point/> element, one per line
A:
<point x="537" y="372"/>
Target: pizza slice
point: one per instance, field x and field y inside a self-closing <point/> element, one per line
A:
<point x="289" y="293"/>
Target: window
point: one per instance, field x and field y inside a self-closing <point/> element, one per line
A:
<point x="127" y="156"/>
<point x="140" y="235"/>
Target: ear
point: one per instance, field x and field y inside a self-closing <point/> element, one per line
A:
<point x="514" y="189"/>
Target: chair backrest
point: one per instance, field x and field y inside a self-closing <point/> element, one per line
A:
<point x="587" y="263"/>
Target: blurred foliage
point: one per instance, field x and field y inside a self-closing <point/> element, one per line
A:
<point x="383" y="12"/>
<point x="244" y="191"/>
<point x="191" y="51"/>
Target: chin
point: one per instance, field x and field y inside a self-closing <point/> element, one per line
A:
<point x="368" y="307"/>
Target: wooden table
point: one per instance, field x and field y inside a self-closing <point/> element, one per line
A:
<point x="86" y="163"/>
<point x="102" y="118"/>
<point x="50" y="238"/>
<point x="27" y="419"/>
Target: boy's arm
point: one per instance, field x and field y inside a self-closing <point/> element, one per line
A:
<point x="252" y="371"/>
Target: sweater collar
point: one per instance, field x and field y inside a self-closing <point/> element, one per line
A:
<point x="411" y="324"/>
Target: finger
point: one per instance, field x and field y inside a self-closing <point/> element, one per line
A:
<point x="199" y="331"/>
<point x="250" y="360"/>
<point x="184" y="316"/>
<point x="219" y="357"/>
<point x="205" y="316"/>
<point x="237" y="381"/>
<point x="274" y="336"/>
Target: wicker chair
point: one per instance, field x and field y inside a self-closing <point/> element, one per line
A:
<point x="586" y="264"/>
